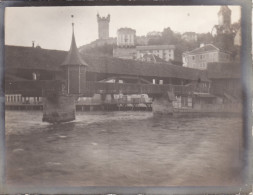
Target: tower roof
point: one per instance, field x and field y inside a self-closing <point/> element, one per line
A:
<point x="224" y="9"/>
<point x="73" y="57"/>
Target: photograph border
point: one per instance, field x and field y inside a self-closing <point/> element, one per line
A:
<point x="246" y="62"/>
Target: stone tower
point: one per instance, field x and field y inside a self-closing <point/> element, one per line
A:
<point x="224" y="16"/>
<point x="224" y="37"/>
<point x="103" y="26"/>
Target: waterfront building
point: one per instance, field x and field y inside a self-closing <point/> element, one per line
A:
<point x="190" y="36"/>
<point x="126" y="37"/>
<point x="200" y="57"/>
<point x="103" y="26"/>
<point x="165" y="52"/>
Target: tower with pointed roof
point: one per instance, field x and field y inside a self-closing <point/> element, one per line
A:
<point x="74" y="68"/>
<point x="103" y="26"/>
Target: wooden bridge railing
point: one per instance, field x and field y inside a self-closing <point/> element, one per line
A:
<point x="51" y="88"/>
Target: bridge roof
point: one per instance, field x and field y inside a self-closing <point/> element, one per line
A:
<point x="217" y="70"/>
<point x="37" y="58"/>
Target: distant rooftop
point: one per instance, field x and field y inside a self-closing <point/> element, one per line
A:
<point x="153" y="47"/>
<point x="126" y="29"/>
<point x="205" y="48"/>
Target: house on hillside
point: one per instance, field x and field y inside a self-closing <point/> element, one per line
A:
<point x="165" y="52"/>
<point x="190" y="36"/>
<point x="200" y="57"/>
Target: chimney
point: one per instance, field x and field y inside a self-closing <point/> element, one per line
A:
<point x="33" y="44"/>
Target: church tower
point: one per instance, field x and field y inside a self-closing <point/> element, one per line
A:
<point x="103" y="26"/>
<point x="224" y="16"/>
<point x="223" y="33"/>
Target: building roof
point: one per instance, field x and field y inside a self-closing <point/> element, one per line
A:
<point x="217" y="70"/>
<point x="32" y="58"/>
<point x="204" y="49"/>
<point x="155" y="47"/>
<point x="73" y="57"/>
<point x="126" y="30"/>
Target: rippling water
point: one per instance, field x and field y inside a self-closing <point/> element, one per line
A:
<point x="122" y="149"/>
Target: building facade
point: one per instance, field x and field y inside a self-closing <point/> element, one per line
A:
<point x="124" y="52"/>
<point x="126" y="37"/>
<point x="165" y="52"/>
<point x="200" y="57"/>
<point x="190" y="36"/>
<point x="103" y="26"/>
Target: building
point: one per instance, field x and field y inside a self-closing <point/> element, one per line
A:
<point x="126" y="40"/>
<point x="165" y="52"/>
<point x="103" y="26"/>
<point x="190" y="36"/>
<point x="124" y="52"/>
<point x="200" y="57"/>
<point x="151" y="58"/>
<point x="126" y="37"/>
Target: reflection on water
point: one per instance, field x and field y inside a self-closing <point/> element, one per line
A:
<point x="122" y="149"/>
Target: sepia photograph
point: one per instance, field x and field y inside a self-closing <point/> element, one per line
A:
<point x="130" y="96"/>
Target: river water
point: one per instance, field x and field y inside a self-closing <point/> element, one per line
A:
<point x="122" y="149"/>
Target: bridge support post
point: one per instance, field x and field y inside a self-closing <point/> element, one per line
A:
<point x="60" y="108"/>
<point x="163" y="104"/>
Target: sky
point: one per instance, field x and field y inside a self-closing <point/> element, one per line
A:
<point x="50" y="27"/>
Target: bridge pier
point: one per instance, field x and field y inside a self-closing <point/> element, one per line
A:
<point x="60" y="108"/>
<point x="163" y="104"/>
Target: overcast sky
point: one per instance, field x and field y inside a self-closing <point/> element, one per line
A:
<point x="50" y="27"/>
